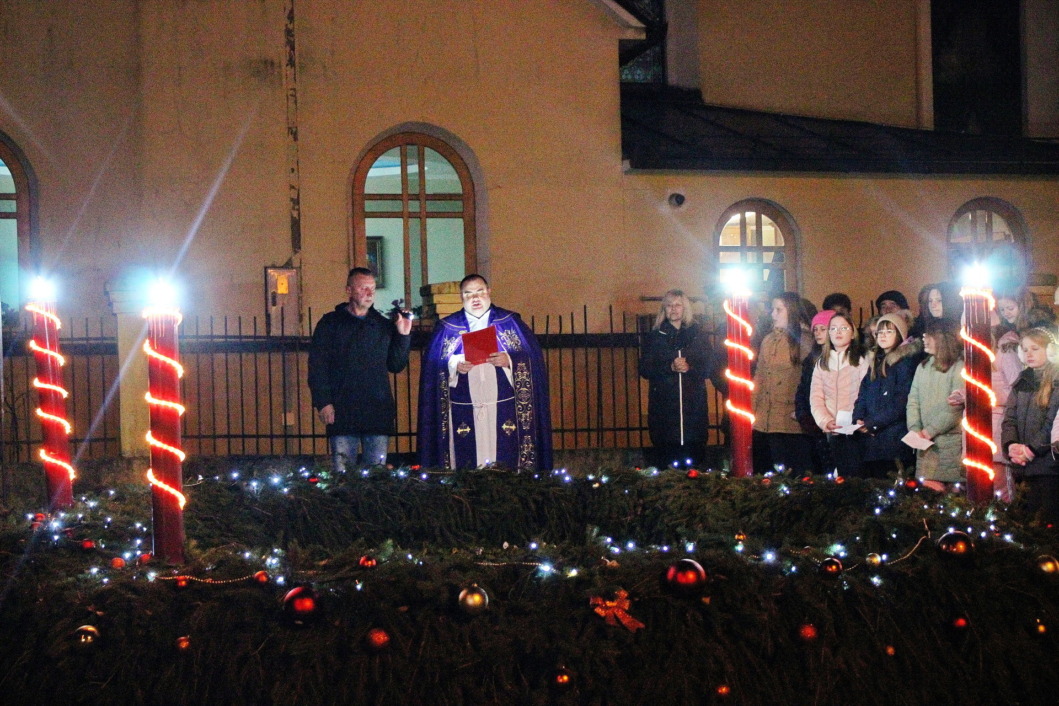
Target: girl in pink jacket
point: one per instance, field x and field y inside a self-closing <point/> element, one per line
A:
<point x="836" y="382"/>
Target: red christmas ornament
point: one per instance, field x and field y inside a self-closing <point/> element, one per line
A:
<point x="766" y="481"/>
<point x="300" y="604"/>
<point x="377" y="639"/>
<point x="831" y="567"/>
<point x="960" y="622"/>
<point x="840" y="479"/>
<point x="182" y="581"/>
<point x="262" y="577"/>
<point x="36" y="525"/>
<point x="562" y="678"/>
<point x="686" y="577"/>
<point x="740" y="536"/>
<point x="87" y="636"/>
<point x="117" y="563"/>
<point x="911" y="483"/>
<point x="723" y="690"/>
<point x="473" y="600"/>
<point x="1048" y="564"/>
<point x="183" y="642"/>
<point x="693" y="473"/>
<point x="890" y="651"/>
<point x="88" y="545"/>
<point x="40" y="517"/>
<point x="808" y="632"/>
<point x="144" y="558"/>
<point x="368" y="561"/>
<point x="956" y="543"/>
<point x="313" y="479"/>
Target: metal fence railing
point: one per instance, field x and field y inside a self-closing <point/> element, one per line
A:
<point x="246" y="392"/>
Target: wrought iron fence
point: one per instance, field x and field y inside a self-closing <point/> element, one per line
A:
<point x="246" y="390"/>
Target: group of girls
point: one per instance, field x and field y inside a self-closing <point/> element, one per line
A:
<point x="828" y="397"/>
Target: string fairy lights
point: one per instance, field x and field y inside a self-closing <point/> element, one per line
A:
<point x="51" y="395"/>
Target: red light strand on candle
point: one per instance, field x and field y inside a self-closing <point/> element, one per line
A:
<point x="55" y="355"/>
<point x="177" y="367"/>
<point x="33" y="308"/>
<point x="165" y="447"/>
<point x="748" y="352"/>
<point x="48" y="458"/>
<point x="743" y="322"/>
<point x="175" y="406"/>
<point x="982" y="385"/>
<point x="180" y="497"/>
<point x="45" y="417"/>
<point x="54" y="388"/>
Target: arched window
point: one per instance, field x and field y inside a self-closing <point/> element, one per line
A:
<point x="992" y="231"/>
<point x="413" y="216"/>
<point x="15" y="225"/>
<point x="761" y="238"/>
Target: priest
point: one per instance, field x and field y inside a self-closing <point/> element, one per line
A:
<point x="487" y="405"/>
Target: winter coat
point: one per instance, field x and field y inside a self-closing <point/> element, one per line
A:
<point x="1005" y="371"/>
<point x="929" y="410"/>
<point x="802" y="408"/>
<point x="1026" y="422"/>
<point x="776" y="382"/>
<point x="664" y="389"/>
<point x="350" y="359"/>
<point x="882" y="404"/>
<point x="835" y="390"/>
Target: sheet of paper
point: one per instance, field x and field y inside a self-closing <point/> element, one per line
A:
<point x="848" y="429"/>
<point x="478" y="345"/>
<point x="843" y="418"/>
<point x="916" y="441"/>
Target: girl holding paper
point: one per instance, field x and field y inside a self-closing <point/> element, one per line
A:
<point x="930" y="413"/>
<point x="833" y="391"/>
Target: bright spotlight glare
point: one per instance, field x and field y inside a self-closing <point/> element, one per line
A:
<point x="735" y="280"/>
<point x="162" y="294"/>
<point x="43" y="290"/>
<point x="976" y="275"/>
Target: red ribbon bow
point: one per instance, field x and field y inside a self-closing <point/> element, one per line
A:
<point x="616" y="610"/>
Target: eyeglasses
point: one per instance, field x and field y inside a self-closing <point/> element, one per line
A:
<point x="839" y="329"/>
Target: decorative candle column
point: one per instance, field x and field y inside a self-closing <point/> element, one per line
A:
<point x="51" y="398"/>
<point x="978" y="357"/>
<point x="165" y="474"/>
<point x="740" y="385"/>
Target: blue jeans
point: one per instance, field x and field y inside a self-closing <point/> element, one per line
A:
<point x="372" y="450"/>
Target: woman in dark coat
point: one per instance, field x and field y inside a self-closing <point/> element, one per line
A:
<point x="675" y="362"/>
<point x="882" y="402"/>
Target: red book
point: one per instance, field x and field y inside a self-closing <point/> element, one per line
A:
<point x="479" y="344"/>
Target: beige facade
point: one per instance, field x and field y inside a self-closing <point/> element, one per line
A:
<point x="164" y="144"/>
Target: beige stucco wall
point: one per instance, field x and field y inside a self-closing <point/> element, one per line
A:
<point x="69" y="104"/>
<point x="170" y="129"/>
<point x="822" y="58"/>
<point x="859" y="234"/>
<point x="530" y="88"/>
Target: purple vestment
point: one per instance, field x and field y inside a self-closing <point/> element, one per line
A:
<point x="446" y="434"/>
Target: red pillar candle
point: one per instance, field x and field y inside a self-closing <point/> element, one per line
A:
<point x="51" y="410"/>
<point x="163" y="397"/>
<point x="977" y="374"/>
<point x="740" y="385"/>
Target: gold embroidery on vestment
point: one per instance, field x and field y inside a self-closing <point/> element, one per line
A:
<point x="508" y="427"/>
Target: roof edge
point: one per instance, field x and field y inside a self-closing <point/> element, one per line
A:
<point x="631" y="28"/>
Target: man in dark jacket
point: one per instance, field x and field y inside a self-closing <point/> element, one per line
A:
<point x="353" y="349"/>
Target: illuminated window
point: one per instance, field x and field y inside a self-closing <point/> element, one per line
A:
<point x="761" y="238"/>
<point x="14" y="225"/>
<point x="992" y="231"/>
<point x="413" y="216"/>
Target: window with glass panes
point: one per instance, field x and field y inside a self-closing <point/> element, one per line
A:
<point x="413" y="214"/>
<point x="759" y="237"/>
<point x="14" y="227"/>
<point x="991" y="231"/>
